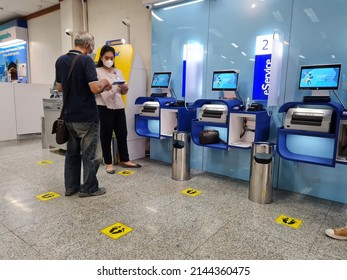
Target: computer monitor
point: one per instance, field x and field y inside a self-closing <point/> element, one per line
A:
<point x="323" y="77"/>
<point x="161" y="81"/>
<point x="226" y="81"/>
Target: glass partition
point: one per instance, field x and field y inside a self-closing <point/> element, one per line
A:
<point x="176" y="31"/>
<point x="223" y="34"/>
<point x="317" y="37"/>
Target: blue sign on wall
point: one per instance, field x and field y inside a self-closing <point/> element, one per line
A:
<point x="261" y="82"/>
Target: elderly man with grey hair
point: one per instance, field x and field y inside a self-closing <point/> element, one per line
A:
<point x="81" y="116"/>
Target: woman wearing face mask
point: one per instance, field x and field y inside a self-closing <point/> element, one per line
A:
<point x="111" y="111"/>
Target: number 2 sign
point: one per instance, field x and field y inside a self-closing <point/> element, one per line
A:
<point x="263" y="44"/>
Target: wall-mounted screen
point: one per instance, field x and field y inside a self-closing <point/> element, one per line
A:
<point x="320" y="77"/>
<point x="225" y="80"/>
<point x="161" y="80"/>
<point x="13" y="63"/>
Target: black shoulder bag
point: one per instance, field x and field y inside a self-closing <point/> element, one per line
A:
<point x="59" y="126"/>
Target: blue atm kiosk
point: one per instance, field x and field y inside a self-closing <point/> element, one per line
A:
<point x="159" y="117"/>
<point x="237" y="128"/>
<point x="311" y="130"/>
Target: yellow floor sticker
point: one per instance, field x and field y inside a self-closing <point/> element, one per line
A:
<point x="116" y="230"/>
<point x="47" y="196"/>
<point x="289" y="221"/>
<point x="191" y="192"/>
<point x="126" y="172"/>
<point x="44" y="162"/>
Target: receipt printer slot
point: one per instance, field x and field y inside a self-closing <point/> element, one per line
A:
<point x="150" y="108"/>
<point x="308" y="119"/>
<point x="213" y="113"/>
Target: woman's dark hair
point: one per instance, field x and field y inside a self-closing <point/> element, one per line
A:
<point x="104" y="50"/>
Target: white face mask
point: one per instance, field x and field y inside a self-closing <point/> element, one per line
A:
<point x="108" y="63"/>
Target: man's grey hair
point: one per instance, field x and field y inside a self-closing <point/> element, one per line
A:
<point x="82" y="38"/>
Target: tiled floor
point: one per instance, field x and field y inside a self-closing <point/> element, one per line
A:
<point x="220" y="223"/>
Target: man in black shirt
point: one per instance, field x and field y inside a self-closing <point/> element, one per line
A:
<point x="81" y="117"/>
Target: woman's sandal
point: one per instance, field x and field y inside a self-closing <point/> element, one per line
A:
<point x="130" y="166"/>
<point x="110" y="170"/>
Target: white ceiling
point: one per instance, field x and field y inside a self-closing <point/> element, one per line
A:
<point x="13" y="9"/>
